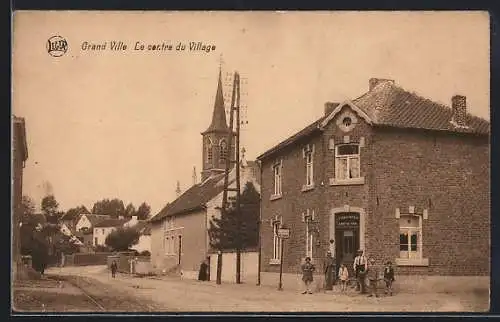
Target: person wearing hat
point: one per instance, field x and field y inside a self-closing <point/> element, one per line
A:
<point x="307" y="275"/>
<point x="372" y="274"/>
<point x="388" y="277"/>
<point x="329" y="271"/>
<point x="360" y="266"/>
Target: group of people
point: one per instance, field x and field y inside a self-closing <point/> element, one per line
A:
<point x="364" y="270"/>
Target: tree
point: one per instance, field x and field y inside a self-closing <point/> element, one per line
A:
<point x="224" y="232"/>
<point x="113" y="207"/>
<point x="130" y="210"/>
<point x="143" y="211"/>
<point x="122" y="238"/>
<point x="28" y="206"/>
<point x="50" y="209"/>
<point x="75" y="212"/>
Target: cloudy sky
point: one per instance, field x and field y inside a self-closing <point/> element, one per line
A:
<point x="126" y="124"/>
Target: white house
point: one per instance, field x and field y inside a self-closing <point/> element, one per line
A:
<point x="104" y="228"/>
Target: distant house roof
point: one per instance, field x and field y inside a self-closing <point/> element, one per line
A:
<point x="389" y="105"/>
<point x="111" y="222"/>
<point x="195" y="198"/>
<point x="71" y="216"/>
<point x="144" y="227"/>
<point x="96" y="219"/>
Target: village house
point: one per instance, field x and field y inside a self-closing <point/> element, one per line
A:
<point x="102" y="229"/>
<point x="84" y="230"/>
<point x="399" y="176"/>
<point x="179" y="232"/>
<point x="19" y="157"/>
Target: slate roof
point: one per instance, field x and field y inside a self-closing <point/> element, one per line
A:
<point x="144" y="227"/>
<point x="390" y="105"/>
<point x="96" y="219"/>
<point x="111" y="222"/>
<point x="195" y="198"/>
<point x="219" y="123"/>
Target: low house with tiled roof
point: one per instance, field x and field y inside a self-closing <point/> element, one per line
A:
<point x="392" y="173"/>
<point x="84" y="229"/>
<point x="179" y="232"/>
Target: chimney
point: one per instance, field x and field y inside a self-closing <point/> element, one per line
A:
<point x="375" y="81"/>
<point x="329" y="107"/>
<point x="459" y="108"/>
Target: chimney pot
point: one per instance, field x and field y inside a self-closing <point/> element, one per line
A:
<point x="329" y="107"/>
<point x="459" y="108"/>
<point x="375" y="81"/>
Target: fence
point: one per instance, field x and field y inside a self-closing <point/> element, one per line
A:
<point x="83" y="259"/>
<point x="139" y="265"/>
<point x="249" y="267"/>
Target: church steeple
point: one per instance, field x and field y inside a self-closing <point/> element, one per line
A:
<point x="215" y="139"/>
<point x="219" y="123"/>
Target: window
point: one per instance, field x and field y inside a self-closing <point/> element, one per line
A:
<point x="102" y="230"/>
<point x="95" y="239"/>
<point x="308" y="218"/>
<point x="169" y="223"/>
<point x="410" y="237"/>
<point x="223" y="151"/>
<point x="347" y="162"/>
<point x="209" y="150"/>
<point x="277" y="178"/>
<point x="309" y="168"/>
<point x="169" y="245"/>
<point x="276" y="242"/>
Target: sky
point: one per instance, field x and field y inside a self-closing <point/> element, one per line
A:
<point x="126" y="124"/>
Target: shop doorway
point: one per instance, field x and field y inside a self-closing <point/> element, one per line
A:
<point x="347" y="238"/>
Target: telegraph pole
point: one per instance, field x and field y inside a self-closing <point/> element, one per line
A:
<point x="234" y="116"/>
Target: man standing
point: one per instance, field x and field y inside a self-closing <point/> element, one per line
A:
<point x="329" y="271"/>
<point x="360" y="266"/>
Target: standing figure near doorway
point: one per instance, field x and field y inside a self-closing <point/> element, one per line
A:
<point x="329" y="271"/>
<point x="360" y="266"/>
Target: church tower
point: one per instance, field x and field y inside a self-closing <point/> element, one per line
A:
<point x="215" y="145"/>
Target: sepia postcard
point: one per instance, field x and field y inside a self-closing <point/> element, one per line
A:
<point x="326" y="161"/>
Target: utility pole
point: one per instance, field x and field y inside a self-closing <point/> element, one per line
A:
<point x="234" y="114"/>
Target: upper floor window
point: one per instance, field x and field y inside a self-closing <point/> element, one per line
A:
<point x="308" y="153"/>
<point x="347" y="162"/>
<point x="277" y="175"/>
<point x="169" y="223"/>
<point x="223" y="151"/>
<point x="209" y="150"/>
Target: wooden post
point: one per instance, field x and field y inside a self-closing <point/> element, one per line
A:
<point x="280" y="286"/>
<point x="219" y="267"/>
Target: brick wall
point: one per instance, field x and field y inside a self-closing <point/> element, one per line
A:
<point x="401" y="168"/>
<point x="448" y="175"/>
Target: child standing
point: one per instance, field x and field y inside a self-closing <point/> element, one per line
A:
<point x="373" y="278"/>
<point x="307" y="274"/>
<point x="388" y="277"/>
<point x="344" y="277"/>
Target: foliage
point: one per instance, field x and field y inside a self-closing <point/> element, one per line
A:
<point x="122" y="238"/>
<point x="75" y="212"/>
<point x="50" y="209"/>
<point x="28" y="205"/>
<point x="130" y="210"/>
<point x="143" y="211"/>
<point x="112" y="207"/>
<point x="145" y="253"/>
<point x="224" y="232"/>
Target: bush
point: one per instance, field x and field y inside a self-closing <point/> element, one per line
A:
<point x="145" y="253"/>
<point x="122" y="238"/>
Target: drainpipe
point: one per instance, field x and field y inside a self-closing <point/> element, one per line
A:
<point x="260" y="227"/>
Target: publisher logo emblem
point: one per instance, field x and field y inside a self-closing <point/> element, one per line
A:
<point x="57" y="46"/>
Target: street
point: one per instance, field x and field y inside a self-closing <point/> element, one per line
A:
<point x="167" y="294"/>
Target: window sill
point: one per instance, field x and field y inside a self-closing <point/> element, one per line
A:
<point x="307" y="187"/>
<point x="412" y="262"/>
<point x="275" y="197"/>
<point x="274" y="261"/>
<point x="347" y="182"/>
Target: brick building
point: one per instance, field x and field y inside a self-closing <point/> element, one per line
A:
<point x="179" y="232"/>
<point x="19" y="157"/>
<point x="402" y="177"/>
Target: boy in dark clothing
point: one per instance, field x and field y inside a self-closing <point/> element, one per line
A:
<point x="114" y="268"/>
<point x="388" y="277"/>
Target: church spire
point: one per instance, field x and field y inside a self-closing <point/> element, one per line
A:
<point x="219" y="123"/>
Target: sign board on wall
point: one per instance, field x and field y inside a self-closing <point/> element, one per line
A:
<point x="284" y="233"/>
<point x="347" y="220"/>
